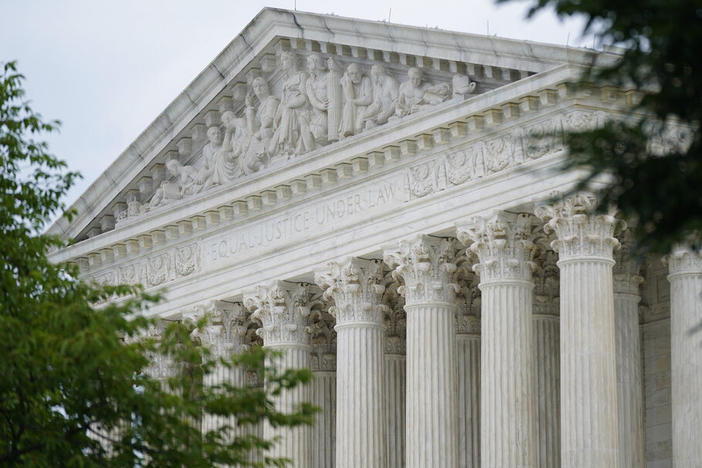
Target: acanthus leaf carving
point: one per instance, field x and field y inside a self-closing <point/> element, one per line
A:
<point x="503" y="243"/>
<point x="356" y="287"/>
<point x="282" y="308"/>
<point x="425" y="265"/>
<point x="579" y="230"/>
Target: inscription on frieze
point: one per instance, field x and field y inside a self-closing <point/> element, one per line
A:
<point x="326" y="216"/>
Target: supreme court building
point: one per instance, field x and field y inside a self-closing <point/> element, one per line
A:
<point x="375" y="200"/>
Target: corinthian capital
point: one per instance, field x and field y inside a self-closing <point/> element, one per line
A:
<point x="356" y="286"/>
<point x="684" y="261"/>
<point x="226" y="331"/>
<point x="579" y="231"/>
<point x="282" y="308"/>
<point x="503" y="243"/>
<point x="426" y="266"/>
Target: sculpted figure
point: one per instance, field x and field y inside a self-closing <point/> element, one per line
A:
<point x="415" y="96"/>
<point x="462" y="86"/>
<point x="358" y="94"/>
<point x="186" y="183"/>
<point x="218" y="167"/>
<point x="336" y="98"/>
<point x="260" y="120"/>
<point x="292" y="134"/>
<point x="317" y="94"/>
<point x="385" y="90"/>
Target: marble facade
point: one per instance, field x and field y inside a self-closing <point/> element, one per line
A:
<point x="375" y="201"/>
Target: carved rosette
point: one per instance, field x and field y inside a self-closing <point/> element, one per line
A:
<point x="426" y="266"/>
<point x="580" y="233"/>
<point x="282" y="308"/>
<point x="356" y="287"/>
<point x="503" y="244"/>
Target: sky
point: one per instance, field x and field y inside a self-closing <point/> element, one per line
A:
<point x="106" y="69"/>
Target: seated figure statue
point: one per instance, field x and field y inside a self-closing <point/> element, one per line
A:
<point x="415" y="96"/>
<point x="186" y="183"/>
<point x="385" y="89"/>
<point x="358" y="94"/>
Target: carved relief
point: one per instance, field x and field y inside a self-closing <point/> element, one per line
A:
<point x="155" y="270"/>
<point x="310" y="108"/>
<point x="415" y="95"/>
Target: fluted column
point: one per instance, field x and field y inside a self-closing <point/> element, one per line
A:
<point x="685" y="276"/>
<point x="585" y="242"/>
<point x="504" y="250"/>
<point x="224" y="336"/>
<point x="425" y="265"/>
<point x="282" y="308"/>
<point x="323" y="364"/>
<point x="395" y="376"/>
<point x="629" y="362"/>
<point x="547" y="370"/>
<point x="468" y="362"/>
<point x="356" y="288"/>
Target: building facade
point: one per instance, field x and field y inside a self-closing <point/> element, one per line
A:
<point x="377" y="202"/>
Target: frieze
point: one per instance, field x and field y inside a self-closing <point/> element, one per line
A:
<point x="495" y="154"/>
<point x="297" y="223"/>
<point x="156" y="269"/>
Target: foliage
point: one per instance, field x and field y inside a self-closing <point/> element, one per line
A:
<point x="660" y="60"/>
<point x="73" y="386"/>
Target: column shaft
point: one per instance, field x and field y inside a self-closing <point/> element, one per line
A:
<point x="295" y="443"/>
<point x="361" y="407"/>
<point x="548" y="386"/>
<point x="431" y="386"/>
<point x="324" y="430"/>
<point x="588" y="373"/>
<point x="468" y="360"/>
<point x="686" y="357"/>
<point x="395" y="389"/>
<point x="506" y="375"/>
<point x="629" y="380"/>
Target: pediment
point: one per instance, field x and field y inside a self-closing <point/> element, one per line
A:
<point x="291" y="85"/>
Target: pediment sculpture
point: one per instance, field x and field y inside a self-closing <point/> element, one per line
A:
<point x="324" y="103"/>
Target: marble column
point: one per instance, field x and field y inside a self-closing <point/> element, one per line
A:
<point x="224" y="336"/>
<point x="547" y="373"/>
<point x="395" y="376"/>
<point x="685" y="276"/>
<point x="426" y="265"/>
<point x="629" y="361"/>
<point x="323" y="364"/>
<point x="356" y="287"/>
<point x="282" y="308"/>
<point x="468" y="362"/>
<point x="585" y="243"/>
<point x="504" y="248"/>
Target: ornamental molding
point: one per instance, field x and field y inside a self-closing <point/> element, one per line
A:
<point x="425" y="266"/>
<point x="151" y="270"/>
